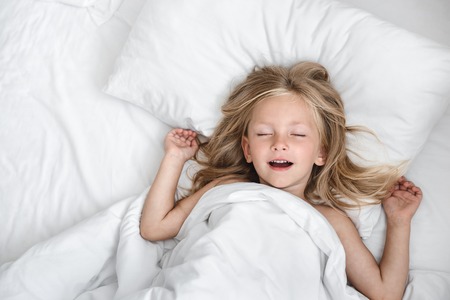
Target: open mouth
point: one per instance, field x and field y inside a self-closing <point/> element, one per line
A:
<point x="280" y="163"/>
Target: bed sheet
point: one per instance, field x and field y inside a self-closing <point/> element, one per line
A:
<point x="430" y="233"/>
<point x="430" y="239"/>
<point x="431" y="168"/>
<point x="67" y="150"/>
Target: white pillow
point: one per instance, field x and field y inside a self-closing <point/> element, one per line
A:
<point x="182" y="59"/>
<point x="100" y="10"/>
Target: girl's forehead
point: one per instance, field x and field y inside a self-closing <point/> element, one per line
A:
<point x="282" y="106"/>
<point x="282" y="97"/>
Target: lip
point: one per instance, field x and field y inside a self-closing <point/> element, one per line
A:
<point x="280" y="164"/>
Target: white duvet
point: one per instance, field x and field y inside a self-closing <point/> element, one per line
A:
<point x="242" y="241"/>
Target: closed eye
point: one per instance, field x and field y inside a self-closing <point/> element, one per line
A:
<point x="298" y="134"/>
<point x="263" y="134"/>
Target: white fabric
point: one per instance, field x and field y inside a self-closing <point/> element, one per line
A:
<point x="76" y="3"/>
<point x="67" y="150"/>
<point x="428" y="283"/>
<point x="242" y="241"/>
<point x="430" y="230"/>
<point x="427" y="18"/>
<point x="99" y="10"/>
<point x="185" y="77"/>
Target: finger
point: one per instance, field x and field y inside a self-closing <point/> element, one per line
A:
<point x="409" y="183"/>
<point x="409" y="195"/>
<point x="412" y="188"/>
<point x="187" y="133"/>
<point x="177" y="133"/>
<point x="193" y="143"/>
<point x="402" y="187"/>
<point x="190" y="135"/>
<point x="405" y="196"/>
<point x="417" y="191"/>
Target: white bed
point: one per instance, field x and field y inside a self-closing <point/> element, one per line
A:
<point x="71" y="152"/>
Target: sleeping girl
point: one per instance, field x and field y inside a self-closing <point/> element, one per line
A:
<point x="286" y="128"/>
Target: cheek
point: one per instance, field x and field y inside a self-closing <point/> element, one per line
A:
<point x="256" y="151"/>
<point x="308" y="150"/>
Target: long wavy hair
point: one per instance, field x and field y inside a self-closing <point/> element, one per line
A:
<point x="338" y="180"/>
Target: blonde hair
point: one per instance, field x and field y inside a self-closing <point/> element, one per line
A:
<point x="330" y="184"/>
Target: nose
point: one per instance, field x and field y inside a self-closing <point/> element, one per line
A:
<point x="279" y="145"/>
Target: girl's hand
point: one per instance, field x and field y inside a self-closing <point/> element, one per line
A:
<point x="181" y="143"/>
<point x="402" y="202"/>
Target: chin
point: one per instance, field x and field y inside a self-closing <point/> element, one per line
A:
<point x="280" y="186"/>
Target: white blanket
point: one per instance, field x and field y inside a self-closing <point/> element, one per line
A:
<point x="241" y="241"/>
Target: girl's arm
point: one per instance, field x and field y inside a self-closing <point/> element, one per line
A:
<point x="388" y="279"/>
<point x="161" y="219"/>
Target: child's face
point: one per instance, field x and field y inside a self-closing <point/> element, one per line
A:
<point x="283" y="143"/>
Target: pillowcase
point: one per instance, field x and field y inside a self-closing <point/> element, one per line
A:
<point x="182" y="59"/>
<point x="100" y="10"/>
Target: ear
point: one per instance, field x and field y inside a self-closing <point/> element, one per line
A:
<point x="321" y="157"/>
<point x="246" y="149"/>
